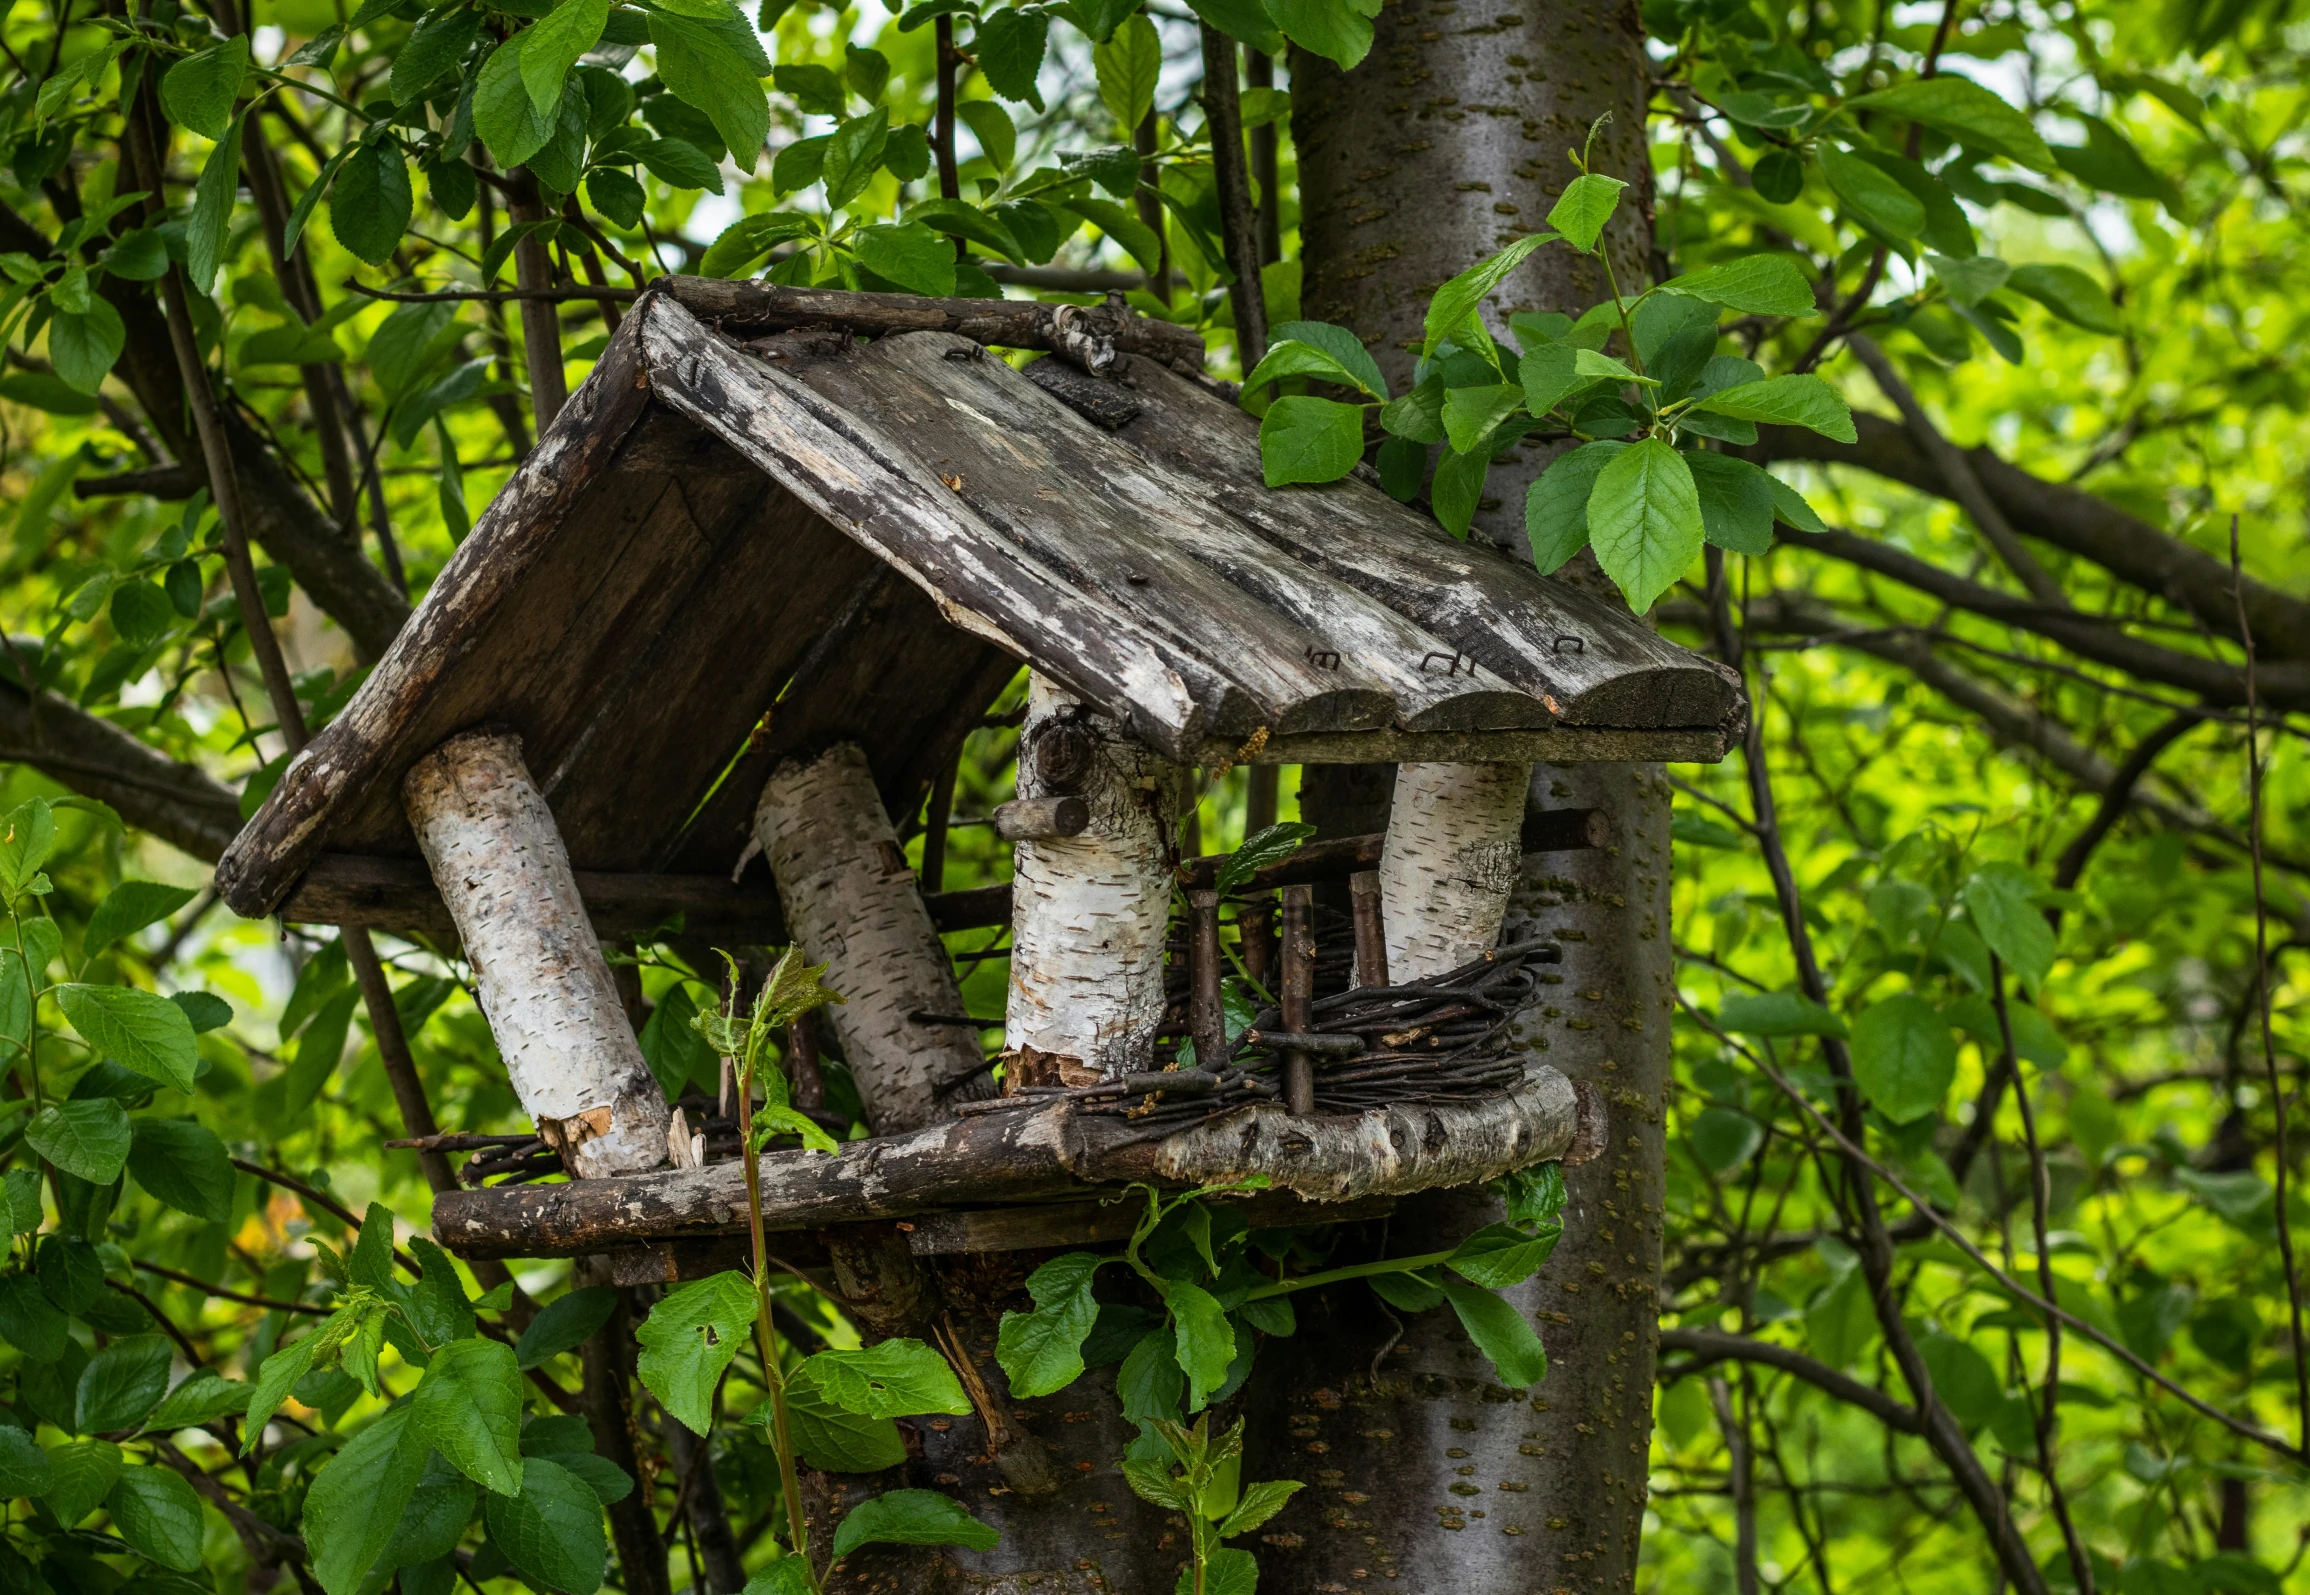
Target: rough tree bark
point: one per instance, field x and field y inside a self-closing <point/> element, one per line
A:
<point x="1448" y="142"/>
<point x="853" y="904"/>
<point x="1089" y="912"/>
<point x="537" y="968"/>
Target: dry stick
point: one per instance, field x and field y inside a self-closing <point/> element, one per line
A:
<point x="935" y="821"/>
<point x="2040" y="1202"/>
<point x="1964" y="485"/>
<point x="2262" y="995"/>
<point x="1238" y="217"/>
<point x="1941" y="1432"/>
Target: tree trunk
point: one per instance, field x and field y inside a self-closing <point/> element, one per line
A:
<point x="1405" y="182"/>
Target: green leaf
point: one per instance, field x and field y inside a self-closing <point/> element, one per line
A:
<point x="1500" y="1255"/>
<point x="1136" y="237"/>
<point x="184" y="1165"/>
<point x="128" y="908"/>
<point x="135" y="1029"/>
<point x="1342" y="345"/>
<point x="1805" y="401"/>
<point x="205" y="1009"/>
<point x="1874" y="197"/>
<point x="87" y="1139"/>
<point x="1500" y="1333"/>
<point x="468" y="1407"/>
<point x="370" y="204"/>
<point x="816" y="90"/>
<point x="552" y="1530"/>
<point x="716" y="64"/>
<point x="2070" y="294"/>
<point x="554" y="45"/>
<point x="209" y="228"/>
<point x="356" y="1502"/>
<point x="1595" y="363"/>
<point x="434" y="1520"/>
<point x="503" y="114"/>
<point x="690" y="1337"/>
<point x="1971" y="280"/>
<point x="1777" y="1013"/>
<point x="1129" y="66"/>
<point x="122" y="1382"/>
<point x="1206" y="1341"/>
<point x="1470" y="414"/>
<point x="82" y="1475"/>
<point x="202" y="1395"/>
<point x="1736" y="501"/>
<point x="1150" y="1384"/>
<point x="992" y="126"/>
<point x="1289" y="357"/>
<point x="684" y="165"/>
<point x="1533" y="1195"/>
<point x="827" y="1438"/>
<point x="439" y="44"/>
<point x="1260" y="1502"/>
<point x="1966" y="112"/>
<point x="790" y="1575"/>
<point x="1305" y="439"/>
<point x="83" y="344"/>
<point x="24" y="1467"/>
<point x="1269" y="845"/>
<point x="1009" y="46"/>
<point x="2002" y="900"/>
<point x="275" y="1380"/>
<point x="1246" y="20"/>
<point x="1458" y="486"/>
<point x="1963" y="1380"/>
<point x="960" y="220"/>
<point x="1904" y="1057"/>
<point x="909" y="254"/>
<point x="30" y="1321"/>
<point x="1724" y="1139"/>
<point x="1333" y="29"/>
<point x="891" y="1379"/>
<point x="1456" y="303"/>
<point x="1041" y="1352"/>
<point x="1644" y="520"/>
<point x="1227" y="1572"/>
<point x="1762" y="285"/>
<point x="564" y="1324"/>
<point x="1550" y="374"/>
<point x="911" y="1517"/>
<point x="852" y="157"/>
<point x="198" y="92"/>
<point x="743" y="243"/>
<point x="1556" y="505"/>
<point x="1585" y="207"/>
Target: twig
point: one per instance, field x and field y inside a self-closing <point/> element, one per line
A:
<point x="499" y="296"/>
<point x="2262" y="996"/>
<point x="205" y="1288"/>
<point x="1715" y="1345"/>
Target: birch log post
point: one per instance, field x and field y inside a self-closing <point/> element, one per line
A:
<point x="1453" y="853"/>
<point x="1089" y="911"/>
<point x="854" y="906"/>
<point x="538" y="969"/>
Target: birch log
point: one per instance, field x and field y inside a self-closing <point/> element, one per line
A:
<point x="1453" y="852"/>
<point x="1089" y="911"/>
<point x="538" y="970"/>
<point x="853" y="905"/>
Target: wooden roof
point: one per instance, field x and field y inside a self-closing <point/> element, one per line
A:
<point x="723" y="553"/>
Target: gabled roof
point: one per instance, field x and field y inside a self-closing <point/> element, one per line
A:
<point x="724" y="552"/>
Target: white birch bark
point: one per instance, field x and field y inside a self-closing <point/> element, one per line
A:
<point x="1088" y="912"/>
<point x="854" y="905"/>
<point x="538" y="970"/>
<point x="1453" y="853"/>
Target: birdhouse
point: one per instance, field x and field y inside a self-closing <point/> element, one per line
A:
<point x="718" y="635"/>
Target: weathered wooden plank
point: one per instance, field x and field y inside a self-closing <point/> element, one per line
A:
<point x="978" y="579"/>
<point x="1004" y="323"/>
<point x="1030" y="1156"/>
<point x="362" y="747"/>
<point x="1566" y="744"/>
<point x="398" y="894"/>
<point x="1031" y="1227"/>
<point x="1597" y="666"/>
<point x="1157" y="546"/>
